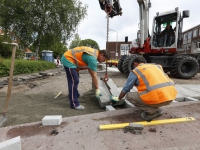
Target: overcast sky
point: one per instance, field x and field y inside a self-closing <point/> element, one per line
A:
<point x="94" y="26"/>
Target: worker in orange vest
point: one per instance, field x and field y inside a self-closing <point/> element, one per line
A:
<point x="155" y="89"/>
<point x="80" y="58"/>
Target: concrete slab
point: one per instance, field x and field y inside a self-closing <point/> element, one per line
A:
<point x="190" y="99"/>
<point x="195" y="88"/>
<point x="81" y="132"/>
<point x="107" y="91"/>
<point x="105" y="98"/>
<point x="186" y="91"/>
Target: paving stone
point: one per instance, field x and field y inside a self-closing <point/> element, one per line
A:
<point x="35" y="74"/>
<point x="52" y="120"/>
<point x="109" y="108"/>
<point x="25" y="78"/>
<point x="39" y="76"/>
<point x="12" y="144"/>
<point x="50" y="74"/>
<point x="43" y="73"/>
<point x="3" y="83"/>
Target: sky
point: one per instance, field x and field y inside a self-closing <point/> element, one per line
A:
<point x="94" y="26"/>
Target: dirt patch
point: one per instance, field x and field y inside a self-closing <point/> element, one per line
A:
<point x="33" y="100"/>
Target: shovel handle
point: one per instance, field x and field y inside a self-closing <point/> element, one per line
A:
<point x="10" y="80"/>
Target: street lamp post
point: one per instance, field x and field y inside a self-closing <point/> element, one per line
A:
<point x="116" y="54"/>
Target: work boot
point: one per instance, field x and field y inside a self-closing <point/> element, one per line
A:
<point x="80" y="107"/>
<point x="148" y="117"/>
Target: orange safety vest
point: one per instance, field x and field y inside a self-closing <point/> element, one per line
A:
<point x="154" y="85"/>
<point x="75" y="55"/>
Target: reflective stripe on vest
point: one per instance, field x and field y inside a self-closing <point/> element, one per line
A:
<point x="151" y="88"/>
<point x="78" y="51"/>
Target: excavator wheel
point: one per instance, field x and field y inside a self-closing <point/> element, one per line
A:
<point x="120" y="63"/>
<point x="184" y="67"/>
<point x="128" y="64"/>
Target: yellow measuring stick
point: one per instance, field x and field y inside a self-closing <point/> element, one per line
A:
<point x="145" y="123"/>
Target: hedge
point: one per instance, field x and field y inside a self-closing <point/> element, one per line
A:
<point x="24" y="66"/>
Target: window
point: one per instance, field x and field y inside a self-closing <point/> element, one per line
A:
<point x="185" y="37"/>
<point x="189" y="35"/>
<point x="184" y="46"/>
<point x="189" y="46"/>
<point x="124" y="49"/>
<point x="195" y="33"/>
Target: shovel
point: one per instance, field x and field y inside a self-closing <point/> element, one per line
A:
<point x="3" y="117"/>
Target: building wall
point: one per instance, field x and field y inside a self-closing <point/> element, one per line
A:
<point x="190" y="37"/>
<point x="122" y="48"/>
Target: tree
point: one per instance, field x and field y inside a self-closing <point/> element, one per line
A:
<point x="89" y="43"/>
<point x="5" y="49"/>
<point x="30" y="20"/>
<point x="50" y="42"/>
<point x="75" y="42"/>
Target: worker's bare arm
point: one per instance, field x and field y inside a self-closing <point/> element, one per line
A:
<point x="94" y="78"/>
<point x="121" y="95"/>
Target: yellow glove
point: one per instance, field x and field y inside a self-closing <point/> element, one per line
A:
<point x="114" y="98"/>
<point x="98" y="93"/>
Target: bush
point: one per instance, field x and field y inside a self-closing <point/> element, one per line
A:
<point x="24" y="66"/>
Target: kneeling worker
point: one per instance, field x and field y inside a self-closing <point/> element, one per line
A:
<point x="81" y="58"/>
<point x="155" y="89"/>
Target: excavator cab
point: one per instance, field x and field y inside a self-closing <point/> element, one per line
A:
<point x="164" y="30"/>
<point x="111" y="7"/>
<point x="173" y="38"/>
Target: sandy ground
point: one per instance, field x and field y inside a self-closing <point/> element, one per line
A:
<point x="30" y="102"/>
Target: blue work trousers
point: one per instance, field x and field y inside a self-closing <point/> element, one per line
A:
<point x="73" y="81"/>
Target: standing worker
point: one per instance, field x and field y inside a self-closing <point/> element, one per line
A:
<point x="155" y="89"/>
<point x="80" y="58"/>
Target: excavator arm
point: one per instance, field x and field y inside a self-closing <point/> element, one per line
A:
<point x="111" y="7"/>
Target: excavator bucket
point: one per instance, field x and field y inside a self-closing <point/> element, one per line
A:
<point x="111" y="7"/>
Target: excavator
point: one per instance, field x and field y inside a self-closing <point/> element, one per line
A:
<point x="166" y="49"/>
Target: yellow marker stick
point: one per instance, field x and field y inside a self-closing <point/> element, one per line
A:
<point x="57" y="95"/>
<point x="145" y="123"/>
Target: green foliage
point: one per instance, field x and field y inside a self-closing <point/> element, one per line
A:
<point x="50" y="42"/>
<point x="23" y="66"/>
<point x="5" y="49"/>
<point x="4" y="71"/>
<point x="30" y="20"/>
<point x="75" y="42"/>
<point x="89" y="43"/>
<point x="19" y="54"/>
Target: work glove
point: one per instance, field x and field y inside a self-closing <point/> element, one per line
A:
<point x="98" y="93"/>
<point x="114" y="98"/>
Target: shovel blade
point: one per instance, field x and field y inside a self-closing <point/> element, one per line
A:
<point x="3" y="119"/>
